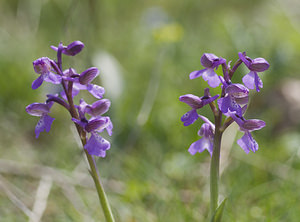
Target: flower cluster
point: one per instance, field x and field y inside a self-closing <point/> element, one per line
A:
<point x="72" y="83"/>
<point x="232" y="102"/>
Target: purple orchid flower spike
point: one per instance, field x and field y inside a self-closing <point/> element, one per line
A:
<point x="206" y="142"/>
<point x="72" y="49"/>
<point x="210" y="62"/>
<point x="252" y="80"/>
<point x="247" y="142"/>
<point x="42" y="110"/>
<point x="236" y="96"/>
<point x="43" y="67"/>
<point x="232" y="105"/>
<point x="88" y="129"/>
<point x="196" y="103"/>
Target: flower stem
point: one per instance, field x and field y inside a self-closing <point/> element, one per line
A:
<point x="101" y="194"/>
<point x="214" y="167"/>
<point x="93" y="167"/>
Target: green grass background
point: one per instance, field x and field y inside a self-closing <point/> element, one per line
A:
<point x="151" y="47"/>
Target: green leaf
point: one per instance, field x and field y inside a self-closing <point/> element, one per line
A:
<point x="217" y="217"/>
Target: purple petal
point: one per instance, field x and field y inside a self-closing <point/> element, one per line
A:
<point x="190" y="117"/>
<point x="242" y="100"/>
<point x="247" y="143"/>
<point x="249" y="79"/>
<point x="97" y="124"/>
<point x="207" y="59"/>
<point x="82" y="106"/>
<point x="78" y="86"/>
<point x="238" y="92"/>
<point x="253" y="124"/>
<point x="98" y="108"/>
<point x="200" y="146"/>
<point x="255" y="65"/>
<point x="223" y="105"/>
<point x="38" y="109"/>
<point x="244" y="108"/>
<point x="228" y="104"/>
<point x="258" y="82"/>
<point x="37" y="83"/>
<point x="209" y="100"/>
<point x="96" y="91"/>
<point x="239" y="120"/>
<point x="88" y="75"/>
<point x="259" y="65"/>
<point x="206" y="131"/>
<point x="73" y="48"/>
<point x="54" y="48"/>
<point x="53" y="78"/>
<point x="97" y="145"/>
<point x="195" y="147"/>
<point x="196" y="74"/>
<point x="44" y="123"/>
<point x="218" y="62"/>
<point x="193" y="101"/>
<point x="246" y="60"/>
<point x="42" y="65"/>
<point x="211" y="77"/>
<point x="109" y="127"/>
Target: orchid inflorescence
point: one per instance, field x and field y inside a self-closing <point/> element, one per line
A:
<point x="72" y="83"/>
<point x="232" y="102"/>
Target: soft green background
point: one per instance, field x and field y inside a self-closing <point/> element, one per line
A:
<point x="145" y="51"/>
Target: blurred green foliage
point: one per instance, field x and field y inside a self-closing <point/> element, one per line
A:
<point x="155" y="44"/>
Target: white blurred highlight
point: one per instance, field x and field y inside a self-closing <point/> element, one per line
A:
<point x="110" y="73"/>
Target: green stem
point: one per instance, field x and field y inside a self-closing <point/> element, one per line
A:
<point x="214" y="166"/>
<point x="101" y="194"/>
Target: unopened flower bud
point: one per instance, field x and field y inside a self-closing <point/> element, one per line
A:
<point x="73" y="48"/>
